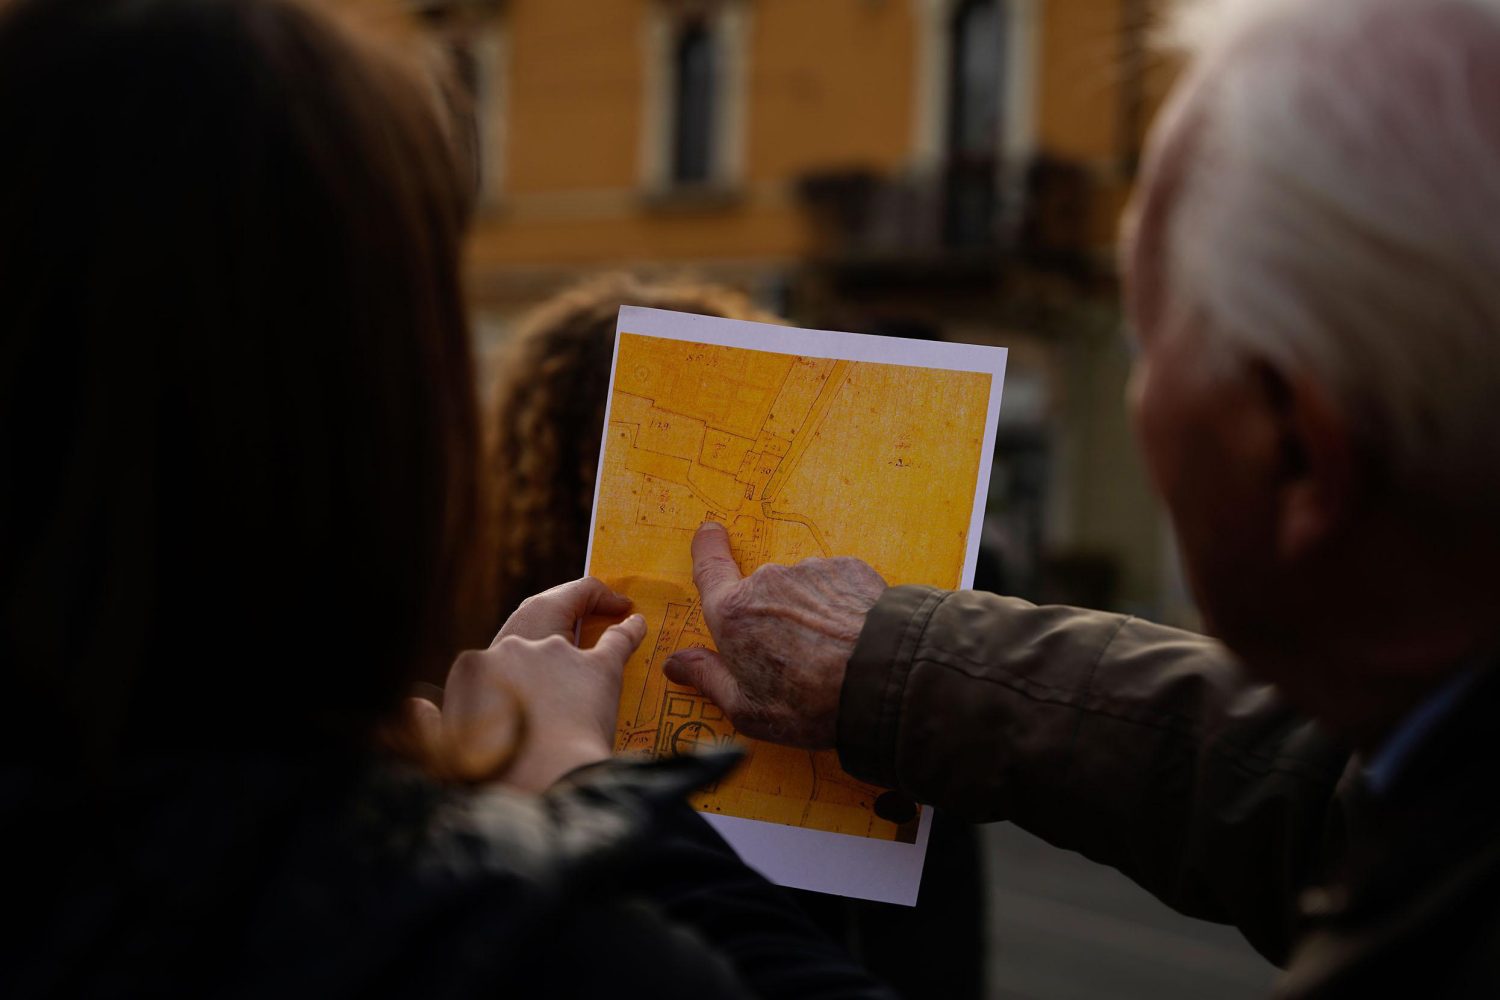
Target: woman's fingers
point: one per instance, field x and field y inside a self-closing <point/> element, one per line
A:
<point x="533" y="676"/>
<point x="585" y="596"/>
<point x="556" y="611"/>
<point x="619" y="641"/>
<point x="426" y="723"/>
<point x="603" y="601"/>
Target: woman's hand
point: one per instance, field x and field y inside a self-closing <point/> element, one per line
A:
<point x="557" y="611"/>
<point x="533" y="693"/>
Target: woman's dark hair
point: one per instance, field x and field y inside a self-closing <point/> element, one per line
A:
<point x="238" y="437"/>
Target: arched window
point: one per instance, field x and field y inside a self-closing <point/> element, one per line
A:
<point x="694" y="80"/>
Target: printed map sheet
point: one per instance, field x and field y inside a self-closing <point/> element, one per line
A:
<point x="803" y="443"/>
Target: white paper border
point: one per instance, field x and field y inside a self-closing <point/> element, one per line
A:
<point x="843" y="864"/>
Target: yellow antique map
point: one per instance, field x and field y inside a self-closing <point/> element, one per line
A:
<point x="797" y="457"/>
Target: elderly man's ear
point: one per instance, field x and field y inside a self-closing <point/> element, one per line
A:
<point x="1316" y="483"/>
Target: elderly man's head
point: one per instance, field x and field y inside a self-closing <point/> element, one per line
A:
<point x="1314" y="276"/>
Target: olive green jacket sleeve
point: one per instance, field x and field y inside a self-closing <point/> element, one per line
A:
<point x="1143" y="747"/>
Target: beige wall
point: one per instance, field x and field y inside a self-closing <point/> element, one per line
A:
<point x="829" y="84"/>
<point x="832" y="86"/>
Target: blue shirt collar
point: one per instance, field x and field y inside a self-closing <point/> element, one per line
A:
<point x="1386" y="763"/>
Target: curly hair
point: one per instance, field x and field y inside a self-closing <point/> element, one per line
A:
<point x="546" y="422"/>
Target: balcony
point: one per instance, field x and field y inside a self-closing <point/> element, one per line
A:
<point x="961" y="225"/>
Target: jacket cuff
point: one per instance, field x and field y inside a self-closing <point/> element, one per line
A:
<point x="870" y="702"/>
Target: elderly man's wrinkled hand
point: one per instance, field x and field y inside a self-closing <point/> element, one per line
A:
<point x="784" y="637"/>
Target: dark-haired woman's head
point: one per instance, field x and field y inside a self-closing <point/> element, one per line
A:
<point x="237" y="424"/>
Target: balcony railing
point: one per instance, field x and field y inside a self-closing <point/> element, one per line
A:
<point x="961" y="216"/>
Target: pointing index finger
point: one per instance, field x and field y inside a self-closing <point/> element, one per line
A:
<point x="714" y="570"/>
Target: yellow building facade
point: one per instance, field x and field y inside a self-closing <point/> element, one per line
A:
<point x="948" y="168"/>
<point x="576" y="101"/>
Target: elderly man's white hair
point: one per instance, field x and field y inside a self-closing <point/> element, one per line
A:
<point x="1338" y="215"/>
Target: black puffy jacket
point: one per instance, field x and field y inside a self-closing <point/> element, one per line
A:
<point x="278" y="875"/>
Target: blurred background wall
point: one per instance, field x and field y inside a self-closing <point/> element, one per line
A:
<point x="950" y="168"/>
<point x="931" y="168"/>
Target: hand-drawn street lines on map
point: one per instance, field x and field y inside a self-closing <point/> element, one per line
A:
<point x="797" y="457"/>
